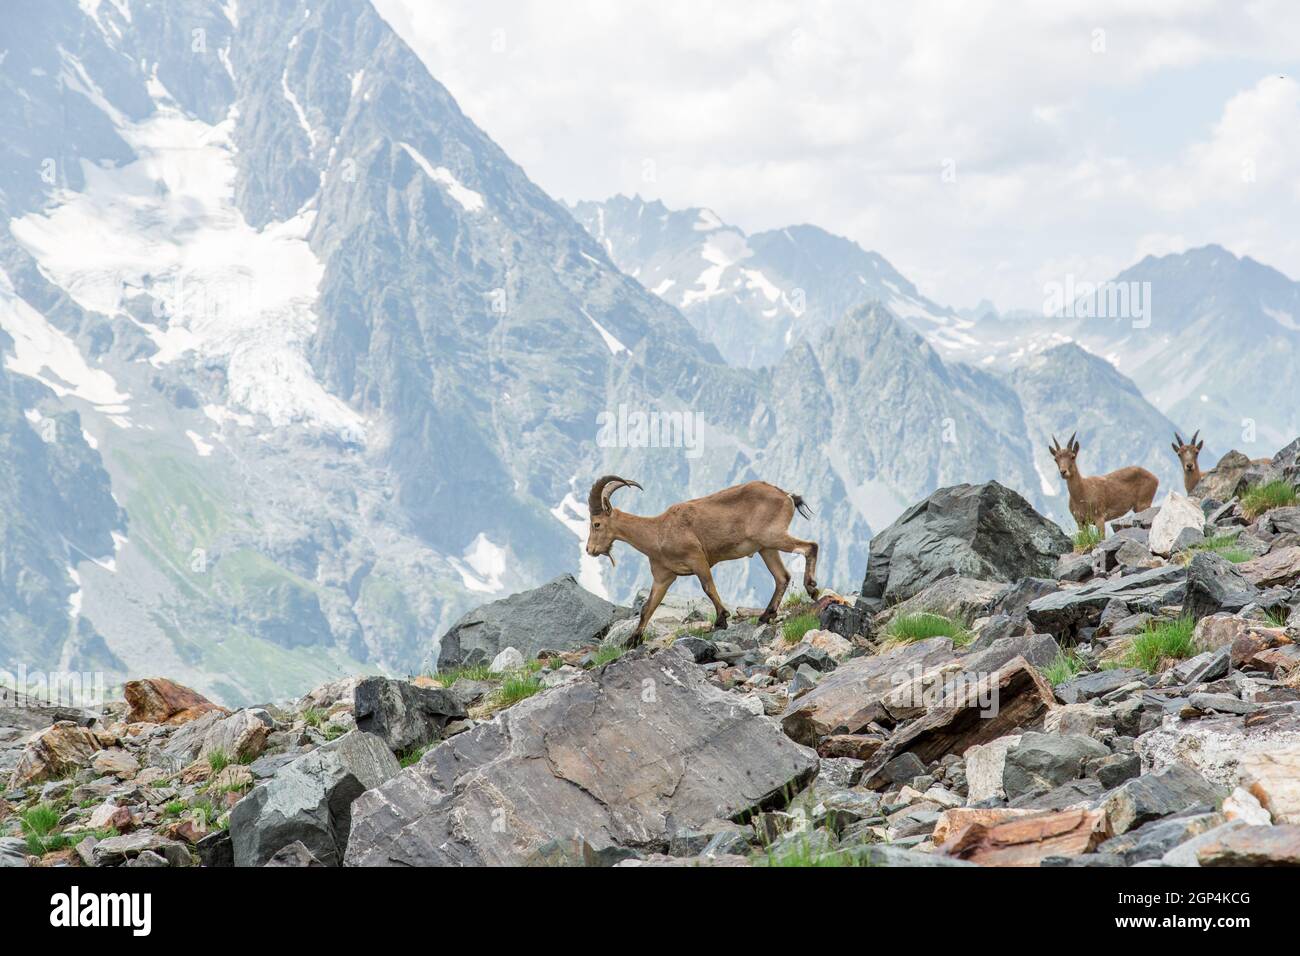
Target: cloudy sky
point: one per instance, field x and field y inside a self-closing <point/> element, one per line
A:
<point x="985" y="148"/>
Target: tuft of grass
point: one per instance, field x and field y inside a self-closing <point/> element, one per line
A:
<point x="1065" y="666"/>
<point x="334" y="732"/>
<point x="794" y="629"/>
<point x="906" y="628"/>
<point x="313" y="716"/>
<point x="218" y="760"/>
<point x="606" y="653"/>
<point x="1224" y="545"/>
<point x="411" y="757"/>
<point x="452" y="674"/>
<point x="1160" y="642"/>
<point x="517" y="687"/>
<point x="1276" y="618"/>
<point x="1267" y="496"/>
<point x="795" y="599"/>
<point x="38" y="824"/>
<point x="1086" y="538"/>
<point x="174" y="809"/>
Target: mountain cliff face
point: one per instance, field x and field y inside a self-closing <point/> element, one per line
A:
<point x="326" y="369"/>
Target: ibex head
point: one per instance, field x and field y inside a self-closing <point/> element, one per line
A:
<point x="600" y="529"/>
<point x="1065" y="457"/>
<point x="1187" y="451"/>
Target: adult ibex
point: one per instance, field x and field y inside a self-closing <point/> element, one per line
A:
<point x="1187" y="452"/>
<point x="692" y="536"/>
<point x="1103" y="498"/>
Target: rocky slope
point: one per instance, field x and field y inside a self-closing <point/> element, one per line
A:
<point x="1135" y="704"/>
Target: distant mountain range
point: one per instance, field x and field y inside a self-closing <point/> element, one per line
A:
<point x="298" y="365"/>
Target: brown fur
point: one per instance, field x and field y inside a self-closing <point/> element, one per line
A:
<point x="692" y="536"/>
<point x="1104" y="497"/>
<point x="1187" y="453"/>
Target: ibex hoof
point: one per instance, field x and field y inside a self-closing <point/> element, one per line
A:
<point x="634" y="640"/>
<point x="767" y="617"/>
<point x="720" y="624"/>
<point x="811" y="588"/>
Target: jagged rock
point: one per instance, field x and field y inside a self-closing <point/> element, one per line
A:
<point x="1272" y="777"/>
<point x="1215" y="746"/>
<point x="610" y="757"/>
<point x="957" y="598"/>
<point x="846" y="620"/>
<point x="1177" y="514"/>
<point x="1280" y="568"/>
<point x="1230" y="477"/>
<point x="1159" y="794"/>
<point x="1220" y="703"/>
<point x="403" y="715"/>
<point x="1204" y="667"/>
<point x="54" y="752"/>
<point x="13" y="852"/>
<point x="310" y="800"/>
<point x="1252" y="846"/>
<point x="242" y="736"/>
<point x="114" y="762"/>
<point x="985" y="764"/>
<point x="327" y="695"/>
<point x="156" y="700"/>
<point x="1113" y="769"/>
<point x="294" y="854"/>
<point x="561" y="610"/>
<point x="1244" y="806"/>
<point x="1039" y="762"/>
<point x="1097" y="684"/>
<point x="1153" y="840"/>
<point x="850" y="698"/>
<point x="833" y="645"/>
<point x="216" y="849"/>
<point x="119" y="850"/>
<point x="981" y="531"/>
<point x="1214" y="584"/>
<point x="1027" y="840"/>
<point x="981" y="656"/>
<point x="855" y="746"/>
<point x="1066" y="611"/>
<point x="968" y="716"/>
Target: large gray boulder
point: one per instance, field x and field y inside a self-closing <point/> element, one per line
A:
<point x="977" y="531"/>
<point x="620" y="759"/>
<point x="401" y="714"/>
<point x="310" y="800"/>
<point x="560" y="614"/>
<point x="1214" y="584"/>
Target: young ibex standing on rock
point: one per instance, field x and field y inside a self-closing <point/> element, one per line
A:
<point x="1103" y="498"/>
<point x="692" y="536"/>
<point x="1187" y="452"/>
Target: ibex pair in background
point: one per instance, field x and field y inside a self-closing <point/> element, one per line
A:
<point x="1187" y="452"/>
<point x="692" y="536"/>
<point x="1103" y="498"/>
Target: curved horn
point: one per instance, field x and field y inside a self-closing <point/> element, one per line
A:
<point x="1179" y="438"/>
<point x="598" y="498"/>
<point x="1070" y="444"/>
<point x="1194" y="434"/>
<point x="1055" y="444"/>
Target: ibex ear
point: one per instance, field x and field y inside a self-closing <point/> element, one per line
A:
<point x="1174" y="446"/>
<point x="1200" y="444"/>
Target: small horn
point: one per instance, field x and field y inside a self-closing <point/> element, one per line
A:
<point x="1071" y="444"/>
<point x="1194" y="434"/>
<point x="1056" y="445"/>
<point x="1179" y="438"/>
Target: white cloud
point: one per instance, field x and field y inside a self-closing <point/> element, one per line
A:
<point x="1058" y="118"/>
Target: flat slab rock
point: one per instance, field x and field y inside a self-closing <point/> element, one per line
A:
<point x="619" y="758"/>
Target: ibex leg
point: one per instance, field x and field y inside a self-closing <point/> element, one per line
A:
<point x="662" y="580"/>
<point x="772" y="558"/>
<point x="705" y="574"/>
<point x="809" y="551"/>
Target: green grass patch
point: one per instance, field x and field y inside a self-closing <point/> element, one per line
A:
<point x="38" y="824"/>
<point x="906" y="628"/>
<point x="1224" y="545"/>
<point x="1267" y="496"/>
<point x="411" y="757"/>
<point x="1162" y="641"/>
<point x="802" y="853"/>
<point x="516" y="687"/>
<point x="1087" y="538"/>
<point x="452" y="674"/>
<point x="795" y="599"/>
<point x="1066" y="665"/>
<point x="218" y="760"/>
<point x="794" y="629"/>
<point x="605" y="654"/>
<point x="313" y="716"/>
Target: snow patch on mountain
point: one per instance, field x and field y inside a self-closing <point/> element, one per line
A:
<point x="483" y="565"/>
<point x="167" y="226"/>
<point x="469" y="200"/>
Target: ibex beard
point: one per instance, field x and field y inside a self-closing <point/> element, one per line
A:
<point x="690" y="537"/>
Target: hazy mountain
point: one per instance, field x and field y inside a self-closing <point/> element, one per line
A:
<point x="1180" y="326"/>
<point x="753" y="296"/>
